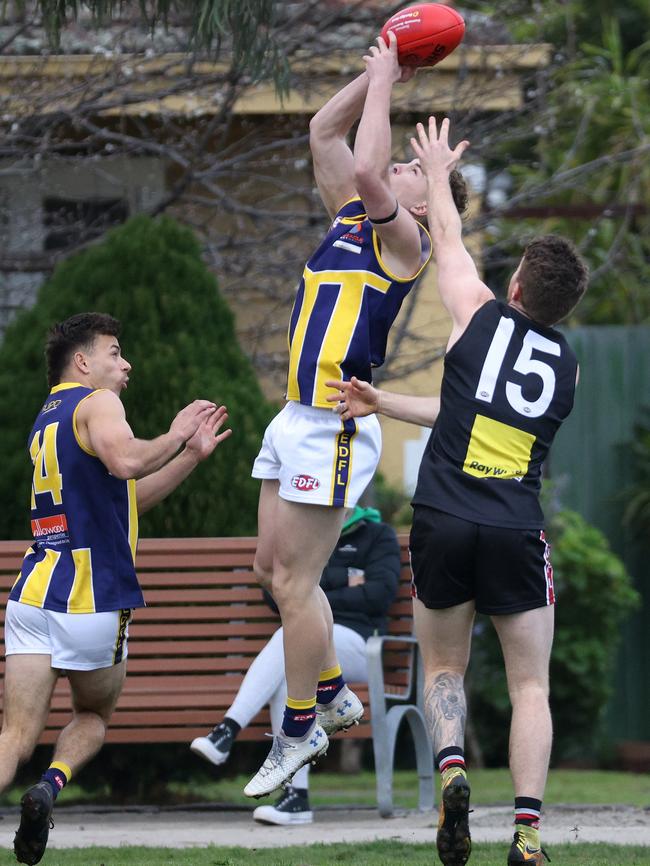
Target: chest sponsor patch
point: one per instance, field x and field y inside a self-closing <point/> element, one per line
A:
<point x="50" y="527"/>
<point x="497" y="450"/>
<point x="346" y="245"/>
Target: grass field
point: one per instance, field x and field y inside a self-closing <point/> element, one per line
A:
<point x="363" y="854"/>
<point x="489" y="787"/>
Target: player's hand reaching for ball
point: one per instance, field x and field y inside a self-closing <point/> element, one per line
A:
<point x="207" y="437"/>
<point x="382" y="63"/>
<point x="189" y="419"/>
<point x="433" y="150"/>
<point x="353" y="399"/>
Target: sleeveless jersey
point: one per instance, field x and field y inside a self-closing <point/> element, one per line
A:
<point x="84" y="520"/>
<point x="347" y="301"/>
<point x="508" y="384"/>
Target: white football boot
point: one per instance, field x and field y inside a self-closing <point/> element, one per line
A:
<point x="344" y="711"/>
<point x="287" y="756"/>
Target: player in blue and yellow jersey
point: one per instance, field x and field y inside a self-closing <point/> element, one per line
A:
<point x="477" y="542"/>
<point x="312" y="464"/>
<point x="70" y="607"/>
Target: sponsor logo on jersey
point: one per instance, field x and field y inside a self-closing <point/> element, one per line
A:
<point x="305" y="482"/>
<point x="498" y="450"/>
<point x="352" y="240"/>
<point x="50" y="526"/>
<point x="48" y="407"/>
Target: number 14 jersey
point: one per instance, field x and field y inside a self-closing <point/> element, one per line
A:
<point x="84" y="520"/>
<point x="508" y="384"/>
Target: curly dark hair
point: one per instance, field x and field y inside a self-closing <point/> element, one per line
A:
<point x="459" y="191"/>
<point x="553" y="277"/>
<point x="77" y="332"/>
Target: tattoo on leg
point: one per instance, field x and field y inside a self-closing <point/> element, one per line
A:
<point x="445" y="709"/>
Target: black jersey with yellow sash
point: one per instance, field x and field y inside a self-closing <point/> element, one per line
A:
<point x="508" y="384"/>
<point x="84" y="520"/>
<point x="346" y="303"/>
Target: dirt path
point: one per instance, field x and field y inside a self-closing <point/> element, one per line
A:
<point x="75" y="827"/>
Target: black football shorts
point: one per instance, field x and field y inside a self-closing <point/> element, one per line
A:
<point x="454" y="561"/>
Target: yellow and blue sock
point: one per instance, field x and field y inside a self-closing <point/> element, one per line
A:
<point x="330" y="683"/>
<point x="58" y="775"/>
<point x="298" y="717"/>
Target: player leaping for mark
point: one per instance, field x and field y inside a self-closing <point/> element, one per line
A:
<point x="477" y="542"/>
<point x="312" y="464"/>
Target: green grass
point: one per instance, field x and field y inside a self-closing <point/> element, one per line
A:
<point x="489" y="787"/>
<point x="362" y="854"/>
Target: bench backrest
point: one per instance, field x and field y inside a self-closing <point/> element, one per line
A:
<point x="204" y="623"/>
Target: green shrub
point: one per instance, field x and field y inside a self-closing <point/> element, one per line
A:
<point x="178" y="333"/>
<point x="594" y="595"/>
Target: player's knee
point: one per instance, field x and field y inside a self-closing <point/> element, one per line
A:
<point x="287" y="591"/>
<point x="21" y="743"/>
<point x="263" y="574"/>
<point x="529" y="691"/>
<point x="95" y="721"/>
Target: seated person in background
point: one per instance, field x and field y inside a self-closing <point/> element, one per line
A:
<point x="360" y="582"/>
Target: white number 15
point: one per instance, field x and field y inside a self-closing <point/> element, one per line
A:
<point x="524" y="364"/>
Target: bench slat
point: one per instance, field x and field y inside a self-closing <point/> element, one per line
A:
<point x="190" y="648"/>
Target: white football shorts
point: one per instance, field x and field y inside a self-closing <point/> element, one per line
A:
<point x="75" y="641"/>
<point x="318" y="458"/>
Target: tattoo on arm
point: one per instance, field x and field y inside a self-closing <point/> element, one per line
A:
<point x="445" y="709"/>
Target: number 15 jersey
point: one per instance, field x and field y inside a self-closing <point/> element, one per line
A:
<point x="508" y="384"/>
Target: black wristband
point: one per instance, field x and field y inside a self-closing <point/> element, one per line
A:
<point x="387" y="219"/>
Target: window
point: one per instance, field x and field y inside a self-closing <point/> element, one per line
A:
<point x="69" y="222"/>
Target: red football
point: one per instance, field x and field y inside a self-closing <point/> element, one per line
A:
<point x="426" y="33"/>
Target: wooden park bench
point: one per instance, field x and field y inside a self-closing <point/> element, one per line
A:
<point x="204" y="623"/>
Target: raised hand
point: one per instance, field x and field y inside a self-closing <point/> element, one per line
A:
<point x="353" y="399"/>
<point x="207" y="436"/>
<point x="381" y="60"/>
<point x="433" y="150"/>
<point x="189" y="419"/>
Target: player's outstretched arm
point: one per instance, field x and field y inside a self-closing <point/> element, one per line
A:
<point x="461" y="289"/>
<point x="355" y="399"/>
<point x="400" y="235"/>
<point x="103" y="429"/>
<point x="328" y="130"/>
<point x="155" y="487"/>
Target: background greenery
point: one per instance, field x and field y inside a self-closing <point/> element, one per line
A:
<point x="178" y="334"/>
<point x="594" y="596"/>
<point x="359" y="854"/>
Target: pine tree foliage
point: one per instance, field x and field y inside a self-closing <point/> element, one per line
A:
<point x="178" y="334"/>
<point x="244" y="25"/>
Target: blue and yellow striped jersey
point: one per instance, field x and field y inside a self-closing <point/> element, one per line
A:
<point x="347" y="301"/>
<point x="84" y="520"/>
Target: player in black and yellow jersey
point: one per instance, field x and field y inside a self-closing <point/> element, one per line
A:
<point x="312" y="464"/>
<point x="71" y="604"/>
<point x="477" y="541"/>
